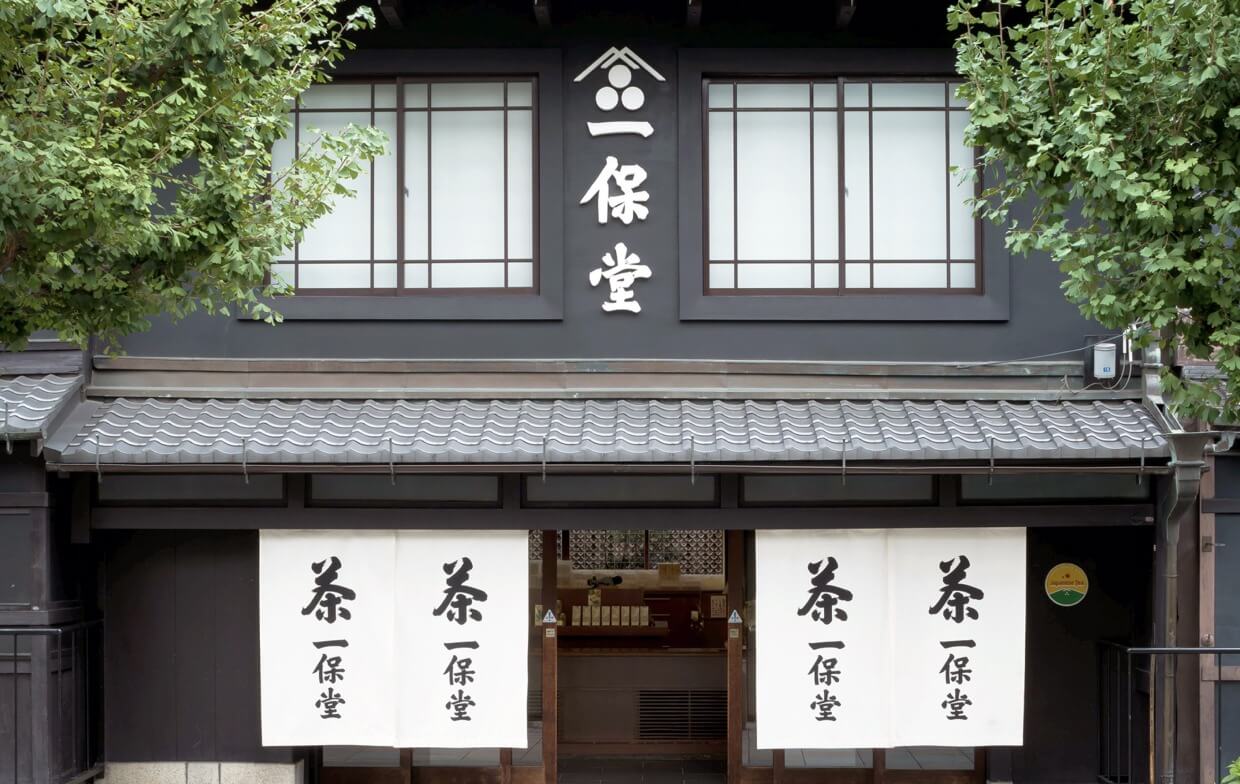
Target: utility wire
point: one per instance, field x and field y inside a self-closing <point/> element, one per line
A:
<point x="1039" y="356"/>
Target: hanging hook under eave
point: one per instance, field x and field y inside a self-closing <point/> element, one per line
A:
<point x="245" y="468"/>
<point x="98" y="469"/>
<point x="692" y="462"/>
<point x="544" y="461"/>
<point x="1141" y="470"/>
<point x="8" y="436"/>
<point x="844" y="460"/>
<point x="990" y="477"/>
<point x="391" y="462"/>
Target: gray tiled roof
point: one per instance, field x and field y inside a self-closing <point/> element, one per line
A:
<point x="150" y="431"/>
<point x="28" y="403"/>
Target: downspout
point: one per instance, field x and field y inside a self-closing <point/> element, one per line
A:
<point x="1188" y="450"/>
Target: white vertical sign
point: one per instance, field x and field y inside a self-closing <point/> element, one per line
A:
<point x="958" y="625"/>
<point x="462" y="638"/>
<point x="822" y="642"/>
<point x="326" y="638"/>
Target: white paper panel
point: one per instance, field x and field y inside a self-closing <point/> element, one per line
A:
<point x="772" y="96"/>
<point x="455" y="94"/>
<point x="802" y="577"/>
<point x="282" y="273"/>
<point x="952" y="586"/>
<point x="722" y="276"/>
<point x="416" y="187"/>
<point x="336" y="96"/>
<point x="962" y="222"/>
<point x="719" y="96"/>
<point x="520" y="274"/>
<point x="385" y="276"/>
<point x="770" y="275"/>
<point x="348" y="275"/>
<point x="857" y="276"/>
<point x="415" y="95"/>
<point x="281" y="159"/>
<point x="385" y="96"/>
<point x="467" y="184"/>
<point x="384" y="168"/>
<point x="416" y="276"/>
<point x="910" y="276"/>
<point x="444" y="701"/>
<point x="719" y="174"/>
<point x="910" y="185"/>
<point x="299" y="607"/>
<point x="909" y="94"/>
<point x="468" y="275"/>
<point x="344" y="233"/>
<point x="856" y="184"/>
<point x="520" y="185"/>
<point x="825" y="95"/>
<point x="856" y="94"/>
<point x="520" y="93"/>
<point x="826" y="276"/>
<point x="964" y="276"/>
<point x="773" y="185"/>
<point x="826" y="186"/>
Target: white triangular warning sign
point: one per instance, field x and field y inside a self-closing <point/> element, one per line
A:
<point x="735" y="617"/>
<point x="549" y="617"/>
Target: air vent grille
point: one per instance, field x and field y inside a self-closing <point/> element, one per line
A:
<point x="682" y="715"/>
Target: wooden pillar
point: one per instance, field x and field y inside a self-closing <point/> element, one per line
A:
<point x="406" y="766"/>
<point x="505" y="766"/>
<point x="734" y="550"/>
<point x="880" y="766"/>
<point x="549" y="663"/>
<point x="777" y="766"/>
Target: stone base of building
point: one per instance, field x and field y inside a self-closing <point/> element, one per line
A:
<point x="204" y="773"/>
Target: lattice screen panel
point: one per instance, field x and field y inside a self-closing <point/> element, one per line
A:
<point x="697" y="551"/>
<point x="603" y="549"/>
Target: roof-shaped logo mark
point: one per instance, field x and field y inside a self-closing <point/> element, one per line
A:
<point x="619" y="90"/>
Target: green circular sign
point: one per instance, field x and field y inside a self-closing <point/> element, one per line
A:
<point x="1066" y="584"/>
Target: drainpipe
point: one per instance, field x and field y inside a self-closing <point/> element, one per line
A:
<point x="1187" y="463"/>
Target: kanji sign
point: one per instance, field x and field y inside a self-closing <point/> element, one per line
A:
<point x="877" y="638"/>
<point x="384" y="638"/>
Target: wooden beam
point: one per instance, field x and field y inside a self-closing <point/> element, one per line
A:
<point x="542" y="12"/>
<point x="456" y="518"/>
<point x="393" y="11"/>
<point x="693" y="14"/>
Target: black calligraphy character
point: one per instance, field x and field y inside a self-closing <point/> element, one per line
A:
<point x="825" y="704"/>
<point x="460" y="671"/>
<point x="328" y="595"/>
<point x="329" y="701"/>
<point x="955" y="595"/>
<point x="823" y="597"/>
<point x="956" y="669"/>
<point x="955" y="703"/>
<point x="328" y="669"/>
<point x="458" y="596"/>
<point x="825" y="671"/>
<point x="459" y="704"/>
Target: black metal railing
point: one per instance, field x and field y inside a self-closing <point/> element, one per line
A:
<point x="1126" y="684"/>
<point x="50" y="704"/>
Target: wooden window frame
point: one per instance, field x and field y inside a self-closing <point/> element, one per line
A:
<point x="840" y="260"/>
<point x="401" y="111"/>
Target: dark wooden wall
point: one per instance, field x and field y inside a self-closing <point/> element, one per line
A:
<point x="181" y="651"/>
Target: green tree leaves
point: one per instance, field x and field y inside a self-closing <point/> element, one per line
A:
<point x="135" y="140"/>
<point x="1119" y="121"/>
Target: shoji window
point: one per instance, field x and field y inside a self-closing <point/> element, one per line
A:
<point x="450" y="204"/>
<point x="838" y="186"/>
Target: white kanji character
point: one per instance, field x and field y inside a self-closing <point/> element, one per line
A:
<point x="626" y="205"/>
<point x="621" y="270"/>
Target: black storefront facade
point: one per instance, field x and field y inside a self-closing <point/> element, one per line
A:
<point x="837" y="379"/>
